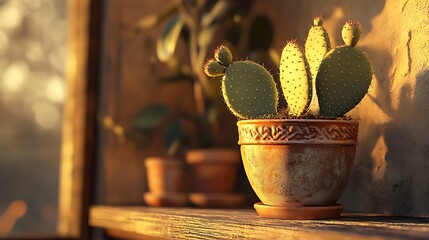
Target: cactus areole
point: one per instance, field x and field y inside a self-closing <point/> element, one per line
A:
<point x="333" y="81"/>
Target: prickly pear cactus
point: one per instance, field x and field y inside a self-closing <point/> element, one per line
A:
<point x="344" y="75"/>
<point x="295" y="79"/>
<point x="340" y="76"/>
<point x="248" y="88"/>
<point x="214" y="69"/>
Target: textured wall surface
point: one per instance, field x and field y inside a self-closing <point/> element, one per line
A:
<point x="391" y="172"/>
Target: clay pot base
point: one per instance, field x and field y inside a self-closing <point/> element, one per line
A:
<point x="166" y="199"/>
<point x="298" y="213"/>
<point x="224" y="200"/>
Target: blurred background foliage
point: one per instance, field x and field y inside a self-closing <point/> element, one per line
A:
<point x="201" y="25"/>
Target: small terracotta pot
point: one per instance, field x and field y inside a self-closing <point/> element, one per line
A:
<point x="165" y="174"/>
<point x="166" y="182"/>
<point x="298" y="164"/>
<point x="213" y="170"/>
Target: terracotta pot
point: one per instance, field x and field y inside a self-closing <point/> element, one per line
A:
<point x="166" y="183"/>
<point x="213" y="170"/>
<point x="165" y="174"/>
<point x="298" y="164"/>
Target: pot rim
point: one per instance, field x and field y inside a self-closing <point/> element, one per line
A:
<point x="299" y="120"/>
<point x="213" y="155"/>
<point x="162" y="161"/>
<point x="297" y="131"/>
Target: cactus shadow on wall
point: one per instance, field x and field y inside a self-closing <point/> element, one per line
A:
<point x="393" y="183"/>
<point x="407" y="156"/>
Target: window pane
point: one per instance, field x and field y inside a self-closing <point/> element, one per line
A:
<point x="32" y="59"/>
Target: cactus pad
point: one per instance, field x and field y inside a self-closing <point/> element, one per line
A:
<point x="295" y="79"/>
<point x="316" y="45"/>
<point x="351" y="33"/>
<point x="342" y="81"/>
<point x="214" y="69"/>
<point x="249" y="90"/>
<point x="223" y="55"/>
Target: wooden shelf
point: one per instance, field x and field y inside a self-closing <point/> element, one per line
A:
<point x="193" y="223"/>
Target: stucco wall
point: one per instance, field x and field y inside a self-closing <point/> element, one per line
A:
<point x="391" y="172"/>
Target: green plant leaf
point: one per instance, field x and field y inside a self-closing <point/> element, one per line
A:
<point x="206" y="37"/>
<point x="219" y="10"/>
<point x="173" y="133"/>
<point x="261" y="33"/>
<point x="152" y="20"/>
<point x="167" y="43"/>
<point x="275" y="56"/>
<point x="150" y="117"/>
<point x="212" y="112"/>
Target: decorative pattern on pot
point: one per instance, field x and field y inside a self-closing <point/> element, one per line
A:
<point x="297" y="132"/>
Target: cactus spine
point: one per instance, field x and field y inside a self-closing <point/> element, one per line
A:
<point x="248" y="88"/>
<point x="295" y="79"/>
<point x="344" y="75"/>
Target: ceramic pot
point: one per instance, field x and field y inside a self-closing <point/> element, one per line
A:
<point x="213" y="175"/>
<point x="298" y="167"/>
<point x="165" y="176"/>
<point x="213" y="170"/>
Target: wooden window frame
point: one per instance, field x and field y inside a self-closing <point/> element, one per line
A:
<point x="80" y="121"/>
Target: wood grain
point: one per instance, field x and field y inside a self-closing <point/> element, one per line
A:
<point x="190" y="223"/>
